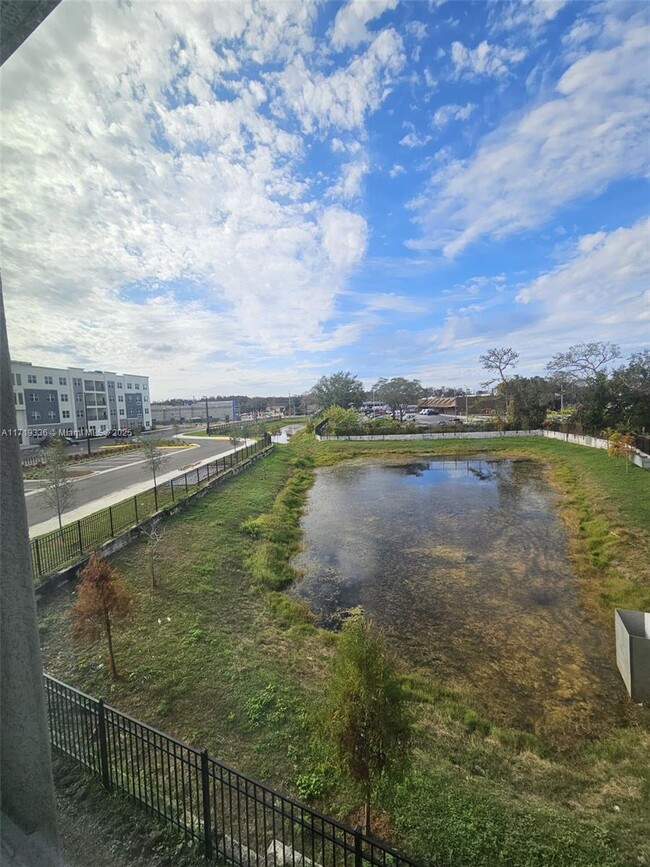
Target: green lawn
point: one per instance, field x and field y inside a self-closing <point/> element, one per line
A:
<point x="218" y="657"/>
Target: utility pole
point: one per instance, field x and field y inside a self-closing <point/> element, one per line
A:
<point x="466" y="404"/>
<point x="207" y="417"/>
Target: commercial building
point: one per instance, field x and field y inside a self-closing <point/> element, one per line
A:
<point x="72" y="401"/>
<point x="195" y="410"/>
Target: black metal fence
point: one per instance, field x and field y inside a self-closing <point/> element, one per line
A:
<point x="62" y="547"/>
<point x="230" y="815"/>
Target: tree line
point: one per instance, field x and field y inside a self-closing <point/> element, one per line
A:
<point x="584" y="384"/>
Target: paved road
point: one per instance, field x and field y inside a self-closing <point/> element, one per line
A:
<point x="115" y="478"/>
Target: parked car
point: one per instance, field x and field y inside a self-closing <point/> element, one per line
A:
<point x="49" y="440"/>
<point x="429" y="412"/>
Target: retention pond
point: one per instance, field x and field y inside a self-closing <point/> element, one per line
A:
<point x="464" y="564"/>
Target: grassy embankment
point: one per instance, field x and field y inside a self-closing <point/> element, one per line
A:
<point x="238" y="668"/>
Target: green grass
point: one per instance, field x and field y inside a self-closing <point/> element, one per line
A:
<point x="238" y="667"/>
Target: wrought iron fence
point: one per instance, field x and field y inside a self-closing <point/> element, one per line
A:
<point x="62" y="547"/>
<point x="229" y="814"/>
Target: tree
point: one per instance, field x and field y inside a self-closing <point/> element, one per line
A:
<point x="630" y="393"/>
<point x="398" y="393"/>
<point x="154" y="535"/>
<point x="620" y="445"/>
<point x="155" y="459"/>
<point x="366" y="715"/>
<point x="530" y="399"/>
<point x="234" y="438"/>
<point x="583" y="360"/>
<point x="58" y="492"/>
<point x="340" y="389"/>
<point x="101" y="600"/>
<point x="498" y="361"/>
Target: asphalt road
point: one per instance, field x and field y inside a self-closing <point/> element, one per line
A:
<point x="113" y="477"/>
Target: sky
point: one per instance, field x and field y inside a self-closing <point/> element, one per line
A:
<point x="241" y="196"/>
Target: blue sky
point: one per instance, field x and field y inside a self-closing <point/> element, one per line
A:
<point x="243" y="196"/>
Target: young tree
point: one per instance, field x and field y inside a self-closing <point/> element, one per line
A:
<point x="398" y="393"/>
<point x="497" y="361"/>
<point x="339" y="389"/>
<point x="58" y="492"/>
<point x="101" y="600"/>
<point x="366" y="715"/>
<point x="235" y="438"/>
<point x="154" y="535"/>
<point x="620" y="445"/>
<point x="155" y="459"/>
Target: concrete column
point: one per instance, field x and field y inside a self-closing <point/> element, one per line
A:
<point x="29" y="835"/>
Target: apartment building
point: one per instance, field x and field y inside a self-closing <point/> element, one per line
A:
<point x="73" y="401"/>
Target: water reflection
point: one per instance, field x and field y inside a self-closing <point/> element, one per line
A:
<point x="464" y="563"/>
<point x="284" y="434"/>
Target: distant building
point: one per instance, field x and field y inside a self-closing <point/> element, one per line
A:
<point x="195" y="410"/>
<point x="72" y="401"/>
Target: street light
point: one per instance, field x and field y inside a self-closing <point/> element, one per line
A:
<point x="207" y="416"/>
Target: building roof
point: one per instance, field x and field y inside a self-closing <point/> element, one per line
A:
<point x="438" y="403"/>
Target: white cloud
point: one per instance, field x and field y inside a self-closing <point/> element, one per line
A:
<point x="344" y="98"/>
<point x="413" y="139"/>
<point x="148" y="222"/>
<point x="446" y="113"/>
<point x="531" y="15"/>
<point x="484" y="60"/>
<point x="593" y="131"/>
<point x="397" y="170"/>
<point x="349" y="27"/>
<point x="608" y="275"/>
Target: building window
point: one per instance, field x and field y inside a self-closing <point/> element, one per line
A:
<point x="78" y="397"/>
<point x="146" y="412"/>
<point x="137" y="385"/>
<point x="48" y="380"/>
<point x="120" y="397"/>
<point x="17" y="379"/>
<point x="63" y="380"/>
<point x="51" y="414"/>
<point x="144" y="386"/>
<point x="128" y="385"/>
<point x="119" y="385"/>
<point x="89" y="385"/>
<point x="51" y="398"/>
<point x="33" y="397"/>
<point x="20" y="398"/>
<point x="80" y="413"/>
<point x="65" y="413"/>
<point x="99" y="386"/>
<point x="31" y="378"/>
<point x="64" y="397"/>
<point x="76" y="383"/>
<point x="36" y="416"/>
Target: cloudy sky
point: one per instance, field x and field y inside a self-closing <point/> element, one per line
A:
<point x="240" y="196"/>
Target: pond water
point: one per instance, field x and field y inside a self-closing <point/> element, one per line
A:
<point x="464" y="564"/>
<point x="284" y="434"/>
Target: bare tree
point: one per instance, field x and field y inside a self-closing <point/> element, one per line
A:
<point x="154" y="535"/>
<point x="155" y="459"/>
<point x="583" y="360"/>
<point x="58" y="492"/>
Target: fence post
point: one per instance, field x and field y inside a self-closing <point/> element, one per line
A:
<point x="186" y="483"/>
<point x="155" y="497"/>
<point x="81" y="544"/>
<point x="37" y="548"/>
<point x="171" y="485"/>
<point x="135" y="503"/>
<point x="205" y="780"/>
<point x="103" y="745"/>
<point x="207" y="469"/>
<point x="110" y="515"/>
<point x="198" y="479"/>
<point x="358" y="847"/>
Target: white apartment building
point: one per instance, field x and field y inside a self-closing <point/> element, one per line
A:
<point x="72" y="401"/>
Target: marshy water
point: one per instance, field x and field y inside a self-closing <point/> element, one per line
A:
<point x="464" y="564"/>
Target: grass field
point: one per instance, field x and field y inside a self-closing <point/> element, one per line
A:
<point x="219" y="657"/>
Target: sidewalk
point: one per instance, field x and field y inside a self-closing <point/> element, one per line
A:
<point x="124" y="494"/>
